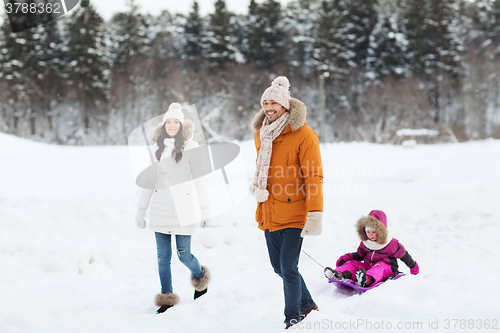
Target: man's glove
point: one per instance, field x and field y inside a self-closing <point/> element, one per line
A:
<point x="313" y="225"/>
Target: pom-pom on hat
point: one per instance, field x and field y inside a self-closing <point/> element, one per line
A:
<point x="278" y="92"/>
<point x="175" y="112"/>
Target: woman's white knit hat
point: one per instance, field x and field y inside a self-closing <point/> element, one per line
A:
<point x="278" y="92"/>
<point x="175" y="112"/>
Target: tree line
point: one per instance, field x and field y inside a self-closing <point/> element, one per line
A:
<point x="392" y="64"/>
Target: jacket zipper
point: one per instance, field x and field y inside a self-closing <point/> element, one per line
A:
<point x="287" y="160"/>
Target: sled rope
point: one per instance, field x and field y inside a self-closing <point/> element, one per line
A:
<point x="313" y="259"/>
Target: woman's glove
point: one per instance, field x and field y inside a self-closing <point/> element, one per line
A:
<point x="139" y="218"/>
<point x="343" y="259"/>
<point x="205" y="217"/>
<point x="415" y="269"/>
<point x="313" y="224"/>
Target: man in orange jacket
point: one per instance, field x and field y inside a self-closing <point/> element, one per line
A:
<point x="288" y="186"/>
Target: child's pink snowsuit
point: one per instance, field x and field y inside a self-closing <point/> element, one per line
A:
<point x="380" y="262"/>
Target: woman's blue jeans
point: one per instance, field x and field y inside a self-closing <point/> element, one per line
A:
<point x="164" y="250"/>
<point x="284" y="248"/>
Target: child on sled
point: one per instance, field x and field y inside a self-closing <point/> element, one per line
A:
<point x="375" y="259"/>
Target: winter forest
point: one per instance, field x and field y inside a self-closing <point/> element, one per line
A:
<point x="391" y="64"/>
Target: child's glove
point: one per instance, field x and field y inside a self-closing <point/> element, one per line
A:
<point x="313" y="224"/>
<point x="415" y="269"/>
<point x="343" y="259"/>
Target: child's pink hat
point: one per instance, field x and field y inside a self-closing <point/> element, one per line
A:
<point x="379" y="215"/>
<point x="376" y="220"/>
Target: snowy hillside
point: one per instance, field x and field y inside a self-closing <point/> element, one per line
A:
<point x="72" y="259"/>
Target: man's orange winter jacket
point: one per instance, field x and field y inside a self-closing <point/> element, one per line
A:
<point x="295" y="178"/>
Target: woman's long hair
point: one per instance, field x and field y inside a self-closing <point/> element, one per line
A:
<point x="160" y="134"/>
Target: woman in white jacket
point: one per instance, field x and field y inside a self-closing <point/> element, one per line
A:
<point x="172" y="204"/>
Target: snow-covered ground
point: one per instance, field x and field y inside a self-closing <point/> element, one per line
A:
<point x="72" y="259"/>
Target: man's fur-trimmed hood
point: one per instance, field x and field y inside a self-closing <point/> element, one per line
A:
<point x="297" y="118"/>
<point x="374" y="223"/>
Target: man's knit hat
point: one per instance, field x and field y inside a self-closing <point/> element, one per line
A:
<point x="175" y="112"/>
<point x="278" y="92"/>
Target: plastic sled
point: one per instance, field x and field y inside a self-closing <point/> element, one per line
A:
<point x="350" y="284"/>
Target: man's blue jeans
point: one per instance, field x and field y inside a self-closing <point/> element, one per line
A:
<point x="164" y="250"/>
<point x="284" y="250"/>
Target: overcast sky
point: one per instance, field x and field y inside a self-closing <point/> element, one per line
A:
<point x="107" y="8"/>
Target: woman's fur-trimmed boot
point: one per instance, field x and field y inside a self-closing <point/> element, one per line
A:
<point x="166" y="301"/>
<point x="201" y="284"/>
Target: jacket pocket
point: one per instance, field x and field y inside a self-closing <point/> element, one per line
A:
<point x="290" y="211"/>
